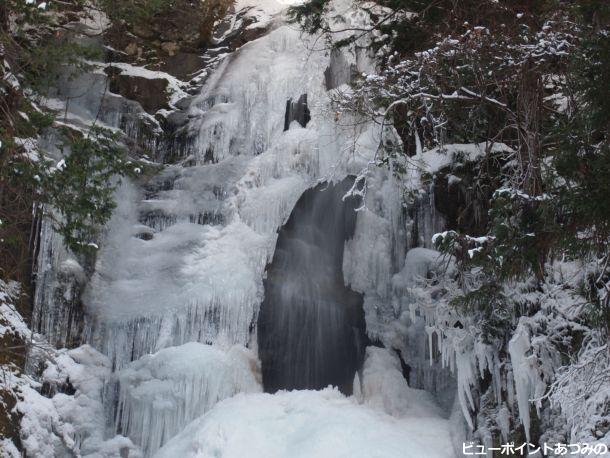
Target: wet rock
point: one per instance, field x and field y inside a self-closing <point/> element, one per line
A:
<point x="297" y="111"/>
<point x="150" y="93"/>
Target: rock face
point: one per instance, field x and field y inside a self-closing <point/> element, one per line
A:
<point x="462" y="194"/>
<point x="149" y="93"/>
<point x="170" y="39"/>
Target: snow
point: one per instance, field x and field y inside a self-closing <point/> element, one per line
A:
<point x="436" y="159"/>
<point x="64" y="424"/>
<point x="10" y="320"/>
<point x="8" y="449"/>
<point x="303" y="424"/>
<point x="78" y="418"/>
<point x="263" y="11"/>
<point x="57" y="423"/>
<point x="582" y="391"/>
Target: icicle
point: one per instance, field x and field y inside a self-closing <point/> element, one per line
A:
<point x="59" y="278"/>
<point x="528" y="382"/>
<point x="412" y="311"/>
<point x="465" y="375"/>
<point x="430" y="331"/>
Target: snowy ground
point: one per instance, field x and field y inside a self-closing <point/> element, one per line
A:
<point x="384" y="419"/>
<point x="301" y="424"/>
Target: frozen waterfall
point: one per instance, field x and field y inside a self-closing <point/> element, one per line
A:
<point x="243" y="258"/>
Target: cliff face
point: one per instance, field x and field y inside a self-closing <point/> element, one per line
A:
<point x="171" y="40"/>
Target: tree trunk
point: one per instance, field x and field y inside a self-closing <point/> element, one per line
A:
<point x="529" y="108"/>
<point x="529" y="113"/>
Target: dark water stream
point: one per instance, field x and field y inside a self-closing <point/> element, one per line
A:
<point x="311" y="329"/>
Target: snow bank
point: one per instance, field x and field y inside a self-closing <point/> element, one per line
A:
<point x="304" y="424"/>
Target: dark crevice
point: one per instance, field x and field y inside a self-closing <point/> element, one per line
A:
<point x="297" y="111"/>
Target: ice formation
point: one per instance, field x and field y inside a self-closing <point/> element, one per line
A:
<point x="383" y="387"/>
<point x="158" y="394"/>
<point x="528" y="382"/>
<point x="170" y="317"/>
<point x="72" y="420"/>
<point x="59" y="280"/>
<point x="211" y="226"/>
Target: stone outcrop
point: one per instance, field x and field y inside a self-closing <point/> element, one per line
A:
<point x="170" y="40"/>
<point x="150" y="93"/>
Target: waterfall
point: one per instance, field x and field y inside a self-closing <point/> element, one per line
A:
<point x="311" y="330"/>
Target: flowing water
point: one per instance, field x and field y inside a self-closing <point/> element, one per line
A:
<point x="311" y="330"/>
